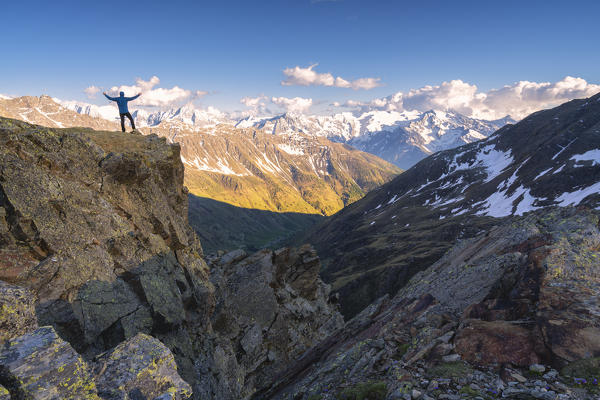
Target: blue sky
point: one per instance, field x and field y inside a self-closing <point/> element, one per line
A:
<point x="233" y="49"/>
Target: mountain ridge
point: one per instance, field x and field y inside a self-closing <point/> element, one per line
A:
<point x="402" y="138"/>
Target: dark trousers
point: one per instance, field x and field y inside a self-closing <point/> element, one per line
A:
<point x="128" y="115"/>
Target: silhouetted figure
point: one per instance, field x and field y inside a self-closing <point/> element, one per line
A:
<point x="123" y="110"/>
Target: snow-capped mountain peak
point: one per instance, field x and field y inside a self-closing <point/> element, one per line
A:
<point x="402" y="138"/>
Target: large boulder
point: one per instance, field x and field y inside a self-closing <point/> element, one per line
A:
<point x="17" y="311"/>
<point x="142" y="367"/>
<point x="40" y="365"/>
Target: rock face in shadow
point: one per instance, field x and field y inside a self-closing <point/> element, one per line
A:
<point x="522" y="293"/>
<point x="272" y="307"/>
<point x="104" y="244"/>
<point x="94" y="231"/>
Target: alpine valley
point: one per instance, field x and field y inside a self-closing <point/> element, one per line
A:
<point x="293" y="168"/>
<point x="294" y="177"/>
<point x="474" y="274"/>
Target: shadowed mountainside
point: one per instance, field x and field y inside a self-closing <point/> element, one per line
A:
<point x="222" y="226"/>
<point x="375" y="245"/>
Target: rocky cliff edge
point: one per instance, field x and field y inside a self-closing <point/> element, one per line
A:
<point x="95" y="248"/>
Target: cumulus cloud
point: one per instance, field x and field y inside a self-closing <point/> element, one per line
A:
<point x="517" y="100"/>
<point x="91" y="91"/>
<point x="309" y="77"/>
<point x="153" y="96"/>
<point x="257" y="105"/>
<point x="263" y="105"/>
<point x="295" y="105"/>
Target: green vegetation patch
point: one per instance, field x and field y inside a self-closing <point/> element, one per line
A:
<point x="365" y="391"/>
<point x="450" y="370"/>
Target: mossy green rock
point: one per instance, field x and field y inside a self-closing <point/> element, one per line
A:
<point x="4" y="393"/>
<point x="142" y="367"/>
<point x="40" y="365"/>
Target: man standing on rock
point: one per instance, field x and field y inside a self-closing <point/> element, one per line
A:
<point x="123" y="110"/>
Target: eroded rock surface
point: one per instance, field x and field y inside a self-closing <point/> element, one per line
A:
<point x="104" y="244"/>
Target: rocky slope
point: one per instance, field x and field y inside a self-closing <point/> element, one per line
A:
<point x="105" y="249"/>
<point x="375" y="245"/>
<point x="44" y="110"/>
<point x="498" y="316"/>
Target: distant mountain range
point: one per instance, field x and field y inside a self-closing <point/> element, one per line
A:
<point x="401" y="138"/>
<point x="375" y="245"/>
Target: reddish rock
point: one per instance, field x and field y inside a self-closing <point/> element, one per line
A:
<point x="496" y="342"/>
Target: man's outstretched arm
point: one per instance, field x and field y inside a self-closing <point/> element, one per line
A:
<point x="108" y="97"/>
<point x="134" y="97"/>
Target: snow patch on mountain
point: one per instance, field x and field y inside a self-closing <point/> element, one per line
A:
<point x="292" y="150"/>
<point x="221" y="166"/>
<point x="591" y="155"/>
<point x="500" y="204"/>
<point x="577" y="196"/>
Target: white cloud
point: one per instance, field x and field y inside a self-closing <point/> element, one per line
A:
<point x="91" y="91"/>
<point x="257" y="106"/>
<point x="295" y="105"/>
<point x="157" y="97"/>
<point x="263" y="105"/>
<point x="309" y="77"/>
<point x="254" y="102"/>
<point x="517" y="100"/>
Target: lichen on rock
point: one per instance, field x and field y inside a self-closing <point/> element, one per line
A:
<point x="141" y="366"/>
<point x="40" y="365"/>
<point x="17" y="311"/>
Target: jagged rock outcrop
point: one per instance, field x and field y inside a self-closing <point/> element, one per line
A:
<point x="522" y="293"/>
<point x="94" y="230"/>
<point x="104" y="243"/>
<point x="272" y="306"/>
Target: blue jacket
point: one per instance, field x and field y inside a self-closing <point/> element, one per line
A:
<point x="122" y="102"/>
